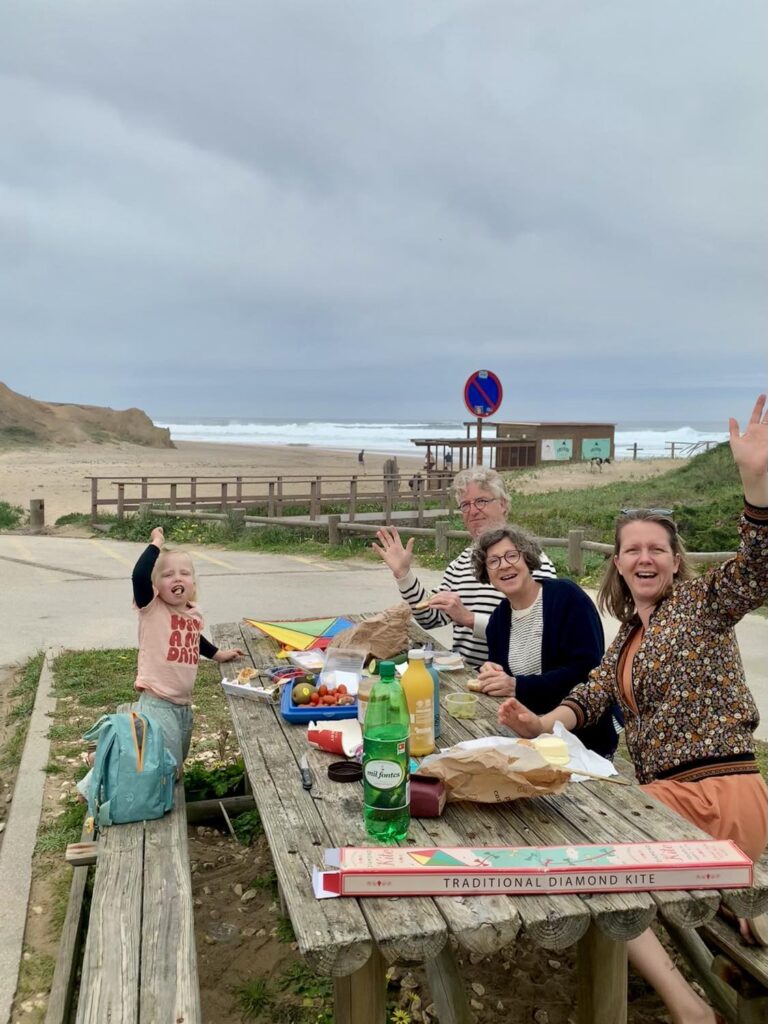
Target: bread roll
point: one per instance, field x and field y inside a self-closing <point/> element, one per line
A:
<point x="475" y="685"/>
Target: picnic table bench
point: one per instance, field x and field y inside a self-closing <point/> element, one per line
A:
<point x="354" y="940"/>
<point x="140" y="965"/>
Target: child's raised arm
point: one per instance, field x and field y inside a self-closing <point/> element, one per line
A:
<point x="141" y="578"/>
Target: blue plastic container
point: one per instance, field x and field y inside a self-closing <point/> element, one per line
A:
<point x="299" y="713"/>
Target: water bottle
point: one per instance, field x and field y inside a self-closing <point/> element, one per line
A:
<point x="386" y="732"/>
<point x="430" y="665"/>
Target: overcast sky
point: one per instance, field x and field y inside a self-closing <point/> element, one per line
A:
<point x="341" y="209"/>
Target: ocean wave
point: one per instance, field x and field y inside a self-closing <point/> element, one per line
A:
<point x="392" y="438"/>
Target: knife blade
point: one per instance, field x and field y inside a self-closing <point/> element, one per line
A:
<point x="306" y="772"/>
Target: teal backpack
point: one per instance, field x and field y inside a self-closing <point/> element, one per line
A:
<point x="133" y="774"/>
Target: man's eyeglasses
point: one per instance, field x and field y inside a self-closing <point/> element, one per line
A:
<point x="653" y="511"/>
<point x="496" y="561"/>
<point x="478" y="503"/>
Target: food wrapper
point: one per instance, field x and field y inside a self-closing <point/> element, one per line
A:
<point x="382" y="635"/>
<point x="492" y="770"/>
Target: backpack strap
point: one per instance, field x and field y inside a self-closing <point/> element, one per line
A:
<point x="97" y="776"/>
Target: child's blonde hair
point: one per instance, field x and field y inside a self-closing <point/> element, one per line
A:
<point x="164" y="553"/>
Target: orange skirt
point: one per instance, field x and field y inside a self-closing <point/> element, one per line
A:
<point x="725" y="806"/>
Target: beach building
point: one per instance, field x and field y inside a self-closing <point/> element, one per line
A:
<point x="521" y="445"/>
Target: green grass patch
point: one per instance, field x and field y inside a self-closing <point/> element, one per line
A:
<point x="35" y="972"/>
<point x="55" y="835"/>
<point x="10" y="516"/>
<point x="247" y="827"/>
<point x="253" y="998"/>
<point x="284" y="930"/>
<point x="267" y="881"/>
<point x="23" y="696"/>
<point x="202" y="782"/>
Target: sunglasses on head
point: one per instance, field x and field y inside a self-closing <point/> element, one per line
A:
<point x="653" y="511"/>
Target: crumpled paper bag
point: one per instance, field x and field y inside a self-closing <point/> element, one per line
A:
<point x="383" y="635"/>
<point x="492" y="770"/>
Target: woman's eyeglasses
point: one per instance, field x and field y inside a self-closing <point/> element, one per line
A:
<point x="496" y="561"/>
<point x="478" y="503"/>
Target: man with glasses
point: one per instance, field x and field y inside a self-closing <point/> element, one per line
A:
<point x="460" y="599"/>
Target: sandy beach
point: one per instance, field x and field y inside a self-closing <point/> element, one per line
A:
<point x="57" y="474"/>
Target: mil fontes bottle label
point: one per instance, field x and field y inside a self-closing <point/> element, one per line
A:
<point x="384" y="774"/>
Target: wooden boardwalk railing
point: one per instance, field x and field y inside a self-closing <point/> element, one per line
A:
<point x="275" y="494"/>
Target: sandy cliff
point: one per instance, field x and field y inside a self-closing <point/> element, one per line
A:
<point x="28" y="421"/>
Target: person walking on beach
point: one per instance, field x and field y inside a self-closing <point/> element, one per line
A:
<point x="676" y="671"/>
<point x="460" y="599"/>
<point x="361" y="459"/>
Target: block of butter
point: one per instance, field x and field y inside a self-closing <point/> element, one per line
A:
<point x="552" y="749"/>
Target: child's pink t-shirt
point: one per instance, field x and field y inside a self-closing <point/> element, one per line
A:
<point x="169" y="649"/>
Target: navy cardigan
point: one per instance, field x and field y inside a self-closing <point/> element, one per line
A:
<point x="572" y="644"/>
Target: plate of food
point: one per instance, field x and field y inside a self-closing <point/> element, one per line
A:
<point x="447" y="661"/>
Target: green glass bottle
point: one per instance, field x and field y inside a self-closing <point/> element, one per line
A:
<point x="386" y="734"/>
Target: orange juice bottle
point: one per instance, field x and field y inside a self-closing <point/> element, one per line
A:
<point x="419" y="689"/>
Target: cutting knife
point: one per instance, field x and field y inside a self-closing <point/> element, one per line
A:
<point x="306" y="772"/>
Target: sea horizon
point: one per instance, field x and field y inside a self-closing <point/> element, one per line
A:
<point x="395" y="436"/>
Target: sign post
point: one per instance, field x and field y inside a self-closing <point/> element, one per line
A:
<point x="482" y="396"/>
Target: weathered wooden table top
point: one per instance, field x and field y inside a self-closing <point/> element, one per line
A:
<point x="337" y="936"/>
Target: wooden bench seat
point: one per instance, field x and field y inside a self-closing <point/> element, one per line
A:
<point x="744" y="969"/>
<point x="140" y="964"/>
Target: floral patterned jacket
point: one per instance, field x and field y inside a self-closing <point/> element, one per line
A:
<point x="695" y="715"/>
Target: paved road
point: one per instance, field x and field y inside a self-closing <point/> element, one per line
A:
<point x="76" y="593"/>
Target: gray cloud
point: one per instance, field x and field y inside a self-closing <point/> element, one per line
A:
<point x="339" y="209"/>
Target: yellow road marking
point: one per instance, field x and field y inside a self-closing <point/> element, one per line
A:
<point x="214" y="561"/>
<point x="308" y="561"/>
<point x="22" y="548"/>
<point x="107" y="550"/>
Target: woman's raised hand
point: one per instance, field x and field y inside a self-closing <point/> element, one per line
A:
<point x="519" y="719"/>
<point x="750" y="452"/>
<point x="390" y="549"/>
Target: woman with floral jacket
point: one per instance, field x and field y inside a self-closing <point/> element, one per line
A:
<point x="676" y="672"/>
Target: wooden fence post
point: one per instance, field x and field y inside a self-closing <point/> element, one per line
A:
<point x="239" y="490"/>
<point x="172" y="502"/>
<point x="224" y="496"/>
<point x="279" y="503"/>
<point x="121" y="501"/>
<point x="36" y="515"/>
<point x="352" y="499"/>
<point x="271" y="506"/>
<point x="94" y="498"/>
<point x="144" y="489"/>
<point x="420" y="500"/>
<point x="193" y="493"/>
<point x="334" y="536"/>
<point x="314" y="504"/>
<point x="575" y="554"/>
<point x="441" y="537"/>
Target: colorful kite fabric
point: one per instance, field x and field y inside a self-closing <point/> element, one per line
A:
<point x="303" y="634"/>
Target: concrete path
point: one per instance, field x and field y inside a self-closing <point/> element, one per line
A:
<point x="76" y="593"/>
<point x="19" y="840"/>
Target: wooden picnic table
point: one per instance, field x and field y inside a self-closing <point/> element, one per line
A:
<point x="355" y="940"/>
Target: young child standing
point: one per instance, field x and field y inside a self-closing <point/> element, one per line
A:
<point x="170" y="640"/>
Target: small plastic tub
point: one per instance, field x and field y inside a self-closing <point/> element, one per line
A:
<point x="461" y="705"/>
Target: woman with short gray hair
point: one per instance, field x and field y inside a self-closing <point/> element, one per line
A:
<point x="460" y="599"/>
<point x="545" y="638"/>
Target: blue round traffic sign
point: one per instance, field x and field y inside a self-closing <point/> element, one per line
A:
<point x="483" y="393"/>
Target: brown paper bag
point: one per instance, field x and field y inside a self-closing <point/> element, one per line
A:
<point x="493" y="776"/>
<point x="383" y="635"/>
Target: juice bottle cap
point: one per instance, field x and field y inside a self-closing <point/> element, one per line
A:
<point x="417" y="653"/>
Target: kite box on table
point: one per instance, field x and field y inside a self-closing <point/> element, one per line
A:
<point x="526" y="870"/>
